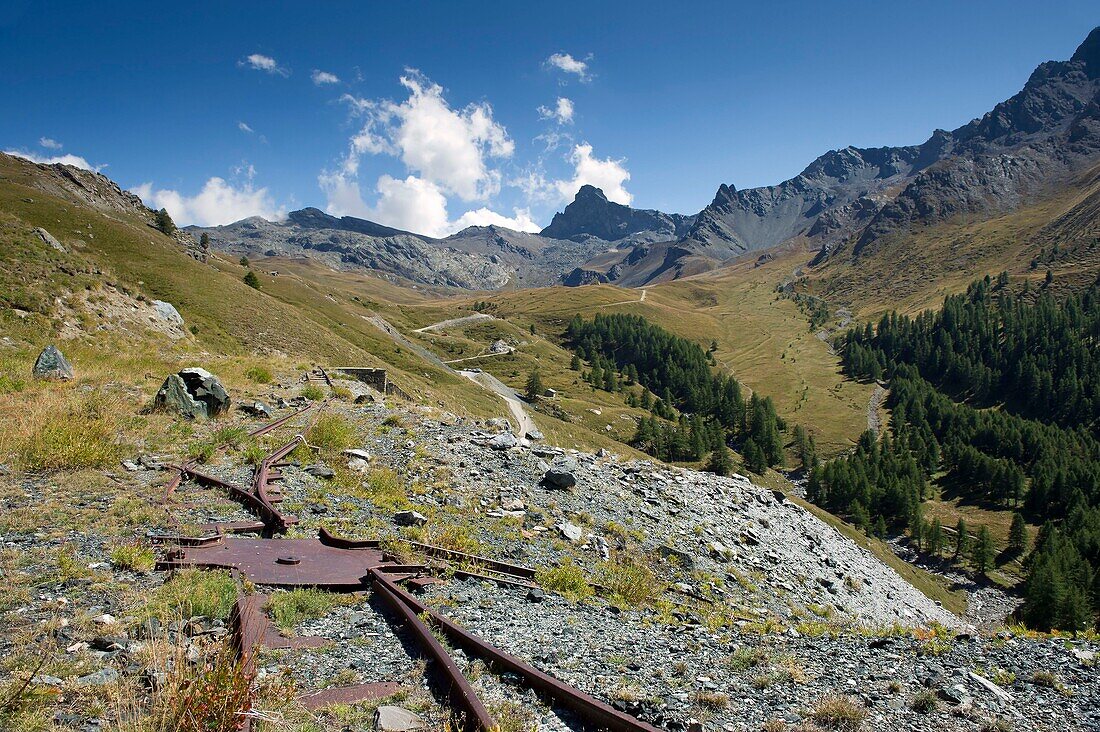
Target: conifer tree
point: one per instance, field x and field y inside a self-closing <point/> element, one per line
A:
<point x="1017" y="534"/>
<point x="983" y="552"/>
<point x="534" y="387"/>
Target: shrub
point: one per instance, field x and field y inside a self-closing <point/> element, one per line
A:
<point x="190" y="593"/>
<point x="566" y="579"/>
<point x="745" y="658"/>
<point x="251" y="280"/>
<point x="840" y="713"/>
<point x="134" y="557"/>
<point x="386" y="489"/>
<point x="331" y="432"/>
<point x="259" y="374"/>
<point x="207" y="696"/>
<point x="287" y="609"/>
<point x="1045" y="678"/>
<point x="631" y="583"/>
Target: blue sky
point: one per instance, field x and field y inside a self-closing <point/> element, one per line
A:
<point x="434" y="115"/>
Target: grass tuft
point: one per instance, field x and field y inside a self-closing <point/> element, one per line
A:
<point x="331" y="432"/>
<point x="190" y="593"/>
<point x="133" y="556"/>
<point x="287" y="609"/>
<point x="566" y="579"/>
<point x="839" y="713"/>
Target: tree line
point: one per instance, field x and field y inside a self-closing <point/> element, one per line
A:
<point x="697" y="410"/>
<point x="998" y="392"/>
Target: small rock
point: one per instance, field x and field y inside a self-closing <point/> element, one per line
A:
<point x="52" y="364"/>
<point x="357" y="453"/>
<point x="131" y="466"/>
<point x="101" y="677"/>
<point x="410" y="518"/>
<point x="570" y="531"/>
<point x="256" y="409"/>
<point x="395" y="719"/>
<point x="320" y="470"/>
<point x="536" y="595"/>
<point x="359" y="465"/>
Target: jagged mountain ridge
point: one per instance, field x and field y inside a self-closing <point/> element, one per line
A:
<point x="476" y="258"/>
<point x="1023" y="148"/>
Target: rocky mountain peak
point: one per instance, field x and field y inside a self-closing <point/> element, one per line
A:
<point x="1088" y="53"/>
<point x="591" y="214"/>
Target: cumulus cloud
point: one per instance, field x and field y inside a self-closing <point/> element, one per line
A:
<point x="565" y="62"/>
<point x="412" y="204"/>
<point x="243" y="127"/>
<point x="562" y="112"/>
<point x="49" y="143"/>
<point x="219" y="202"/>
<point x="520" y="220"/>
<point x="607" y="174"/>
<point x="260" y="62"/>
<point x="68" y="159"/>
<point x="320" y="78"/>
<point x="450" y="148"/>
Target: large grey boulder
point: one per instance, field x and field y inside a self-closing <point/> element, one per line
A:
<point x="193" y="392"/>
<point x="52" y="364"/>
<point x="561" y="474"/>
<point x="167" y="312"/>
<point x="49" y="239"/>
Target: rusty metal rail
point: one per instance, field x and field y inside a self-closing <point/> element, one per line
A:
<point x="476" y="717"/>
<point x="601" y="715"/>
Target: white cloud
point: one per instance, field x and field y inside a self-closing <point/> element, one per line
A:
<point x="608" y="175"/>
<point x="412" y="204"/>
<point x="520" y="221"/>
<point x="321" y="78"/>
<point x="50" y="143"/>
<point x="447" y="147"/>
<point x="67" y="159"/>
<point x="562" y="111"/>
<point x="243" y="127"/>
<point x="570" y="65"/>
<point x="219" y="202"/>
<point x="260" y="62"/>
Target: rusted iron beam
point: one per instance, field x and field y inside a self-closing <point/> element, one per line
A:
<point x="599" y="714"/>
<point x="476" y="717"/>
<point x="349" y="694"/>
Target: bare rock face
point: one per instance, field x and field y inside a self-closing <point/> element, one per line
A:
<point x="193" y="392"/>
<point x="52" y="364"/>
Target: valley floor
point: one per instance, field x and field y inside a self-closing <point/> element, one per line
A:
<point x="723" y="603"/>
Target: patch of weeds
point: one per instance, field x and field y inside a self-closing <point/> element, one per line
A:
<point x="287" y="609"/>
<point x="513" y="717"/>
<point x="253" y="453"/>
<point x="202" y="451"/>
<point x="204" y="696"/>
<point x="745" y="658"/>
<point x="386" y="489"/>
<point x="998" y="724"/>
<point x="259" y="375"/>
<point x="190" y="593"/>
<point x="566" y="579"/>
<point x="395" y="421"/>
<point x="133" y="556"/>
<point x="712" y="700"/>
<point x="66" y="430"/>
<point x="630" y="582"/>
<point x="841" y="713"/>
<point x="331" y="432"/>
<point x="925" y="702"/>
<point x="313" y="392"/>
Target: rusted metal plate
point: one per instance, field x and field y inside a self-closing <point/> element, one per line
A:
<point x="270" y="561"/>
<point x="349" y="694"/>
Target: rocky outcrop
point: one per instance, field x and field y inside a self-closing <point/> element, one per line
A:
<point x="592" y="215"/>
<point x="193" y="392"/>
<point x="49" y="239"/>
<point x="52" y="364"/>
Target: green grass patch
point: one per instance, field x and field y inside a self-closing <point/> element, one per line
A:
<point x="134" y="557"/>
<point x="331" y="432"/>
<point x="259" y="375"/>
<point x="287" y="609"/>
<point x="313" y="392"/>
<point x="190" y="593"/>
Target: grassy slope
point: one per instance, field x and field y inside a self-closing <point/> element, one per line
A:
<point x="914" y="271"/>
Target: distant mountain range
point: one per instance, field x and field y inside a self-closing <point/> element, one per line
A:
<point x="841" y="205"/>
